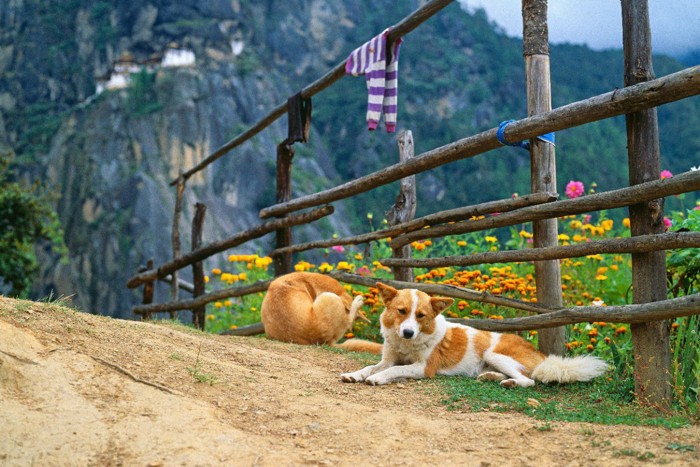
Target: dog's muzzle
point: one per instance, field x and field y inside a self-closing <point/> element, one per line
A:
<point x="407" y="333"/>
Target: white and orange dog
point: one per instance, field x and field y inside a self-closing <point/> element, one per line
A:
<point x="310" y="308"/>
<point x="420" y="343"/>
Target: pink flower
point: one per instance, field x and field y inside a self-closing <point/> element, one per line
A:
<point x="364" y="271"/>
<point x="667" y="223"/>
<point x="666" y="174"/>
<point x="338" y="248"/>
<point x="574" y="189"/>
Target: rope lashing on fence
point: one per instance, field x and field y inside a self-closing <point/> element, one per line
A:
<point x="547" y="137"/>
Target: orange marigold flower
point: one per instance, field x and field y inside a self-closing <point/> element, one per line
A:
<point x="620" y="330"/>
<point x="590" y="347"/>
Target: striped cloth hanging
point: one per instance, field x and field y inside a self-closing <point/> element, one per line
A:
<point x="371" y="60"/>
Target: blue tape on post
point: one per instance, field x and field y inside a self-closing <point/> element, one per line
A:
<point x="547" y="137"/>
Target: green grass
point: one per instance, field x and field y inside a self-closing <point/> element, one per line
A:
<point x="607" y="401"/>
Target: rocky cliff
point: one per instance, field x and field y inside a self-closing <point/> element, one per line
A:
<point x="111" y="155"/>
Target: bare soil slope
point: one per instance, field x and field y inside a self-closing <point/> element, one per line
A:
<point x="79" y="389"/>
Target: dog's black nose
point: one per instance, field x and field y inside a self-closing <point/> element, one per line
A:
<point x="407" y="333"/>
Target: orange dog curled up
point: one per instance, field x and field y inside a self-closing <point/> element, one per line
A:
<point x="420" y="343"/>
<point x="310" y="308"/>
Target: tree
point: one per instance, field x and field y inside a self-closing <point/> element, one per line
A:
<point x="26" y="218"/>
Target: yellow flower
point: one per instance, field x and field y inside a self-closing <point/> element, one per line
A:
<point x="345" y="266"/>
<point x="579" y="238"/>
<point x="358" y="256"/>
<point x="206" y="279"/>
<point x="303" y="266"/>
<point x="598" y="257"/>
<point x="218" y="304"/>
<point x="575" y="224"/>
<point x="525" y="234"/>
<point x="461" y="243"/>
<point x="227" y="302"/>
<point x="607" y="224"/>
<point x="614" y="267"/>
<point x="601" y="277"/>
<point x="216" y="271"/>
<point x="325" y="267"/>
<point x="243" y="276"/>
<point x="626" y="222"/>
<point x="210" y="317"/>
<point x="490" y="239"/>
<point x="602" y="270"/>
<point x="563" y="237"/>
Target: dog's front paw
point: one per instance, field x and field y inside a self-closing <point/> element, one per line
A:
<point x="376" y="380"/>
<point x="355" y="377"/>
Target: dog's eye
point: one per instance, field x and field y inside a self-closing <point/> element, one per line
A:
<point x="402" y="311"/>
<point x="420" y="315"/>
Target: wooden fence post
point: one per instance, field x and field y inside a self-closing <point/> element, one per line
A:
<point x="198" y="313"/>
<point x="285" y="154"/>
<point x="148" y="292"/>
<point x="179" y="192"/>
<point x="404" y="208"/>
<point x="543" y="169"/>
<point x="652" y="355"/>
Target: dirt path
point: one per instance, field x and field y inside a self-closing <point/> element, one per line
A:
<point x="78" y="389"/>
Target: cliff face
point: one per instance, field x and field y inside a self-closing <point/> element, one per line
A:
<point x="112" y="155"/>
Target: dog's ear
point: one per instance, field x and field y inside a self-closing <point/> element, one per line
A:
<point x="440" y="304"/>
<point x="387" y="292"/>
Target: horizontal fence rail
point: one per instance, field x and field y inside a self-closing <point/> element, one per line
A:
<point x="643" y="192"/>
<point x="401" y="28"/>
<point x="442" y="217"/>
<point x="217" y="247"/>
<point x="638" y="244"/>
<point x="443" y="289"/>
<point x="259" y="286"/>
<point x="670" y="88"/>
<point x="642" y="313"/>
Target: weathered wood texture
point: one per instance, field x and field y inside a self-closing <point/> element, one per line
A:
<point x="543" y="167"/>
<point x="175" y="235"/>
<point x="148" y="289"/>
<point x="650" y="341"/>
<point x="401" y="28"/>
<point x="442" y="289"/>
<point x="451" y="215"/>
<point x="644" y="192"/>
<point x="669" y="88"/>
<point x="633" y="314"/>
<point x="283" y="237"/>
<point x="202" y="300"/>
<point x="404" y="208"/>
<point x="639" y="244"/>
<point x="223" y="245"/>
<point x="198" y="313"/>
<point x="250" y="330"/>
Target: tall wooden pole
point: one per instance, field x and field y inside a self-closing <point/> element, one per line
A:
<point x="283" y="237"/>
<point x="543" y="168"/>
<point x="404" y="208"/>
<point x="199" y="312"/>
<point x="652" y="354"/>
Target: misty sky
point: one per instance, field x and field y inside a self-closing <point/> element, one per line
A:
<point x="675" y="24"/>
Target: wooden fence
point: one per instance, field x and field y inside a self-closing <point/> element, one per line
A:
<point x="644" y="196"/>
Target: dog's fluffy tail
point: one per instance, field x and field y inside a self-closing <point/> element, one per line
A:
<point x="359" y="345"/>
<point x="555" y="369"/>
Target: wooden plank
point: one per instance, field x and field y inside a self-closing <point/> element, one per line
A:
<point x="644" y="192"/>
<point x="179" y="194"/>
<point x="650" y="341"/>
<point x="451" y="215"/>
<point x="670" y="88"/>
<point x="444" y="289"/>
<point x="223" y="245"/>
<point x="641" y="313"/>
<point x="188" y="304"/>
<point x="638" y="244"/>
